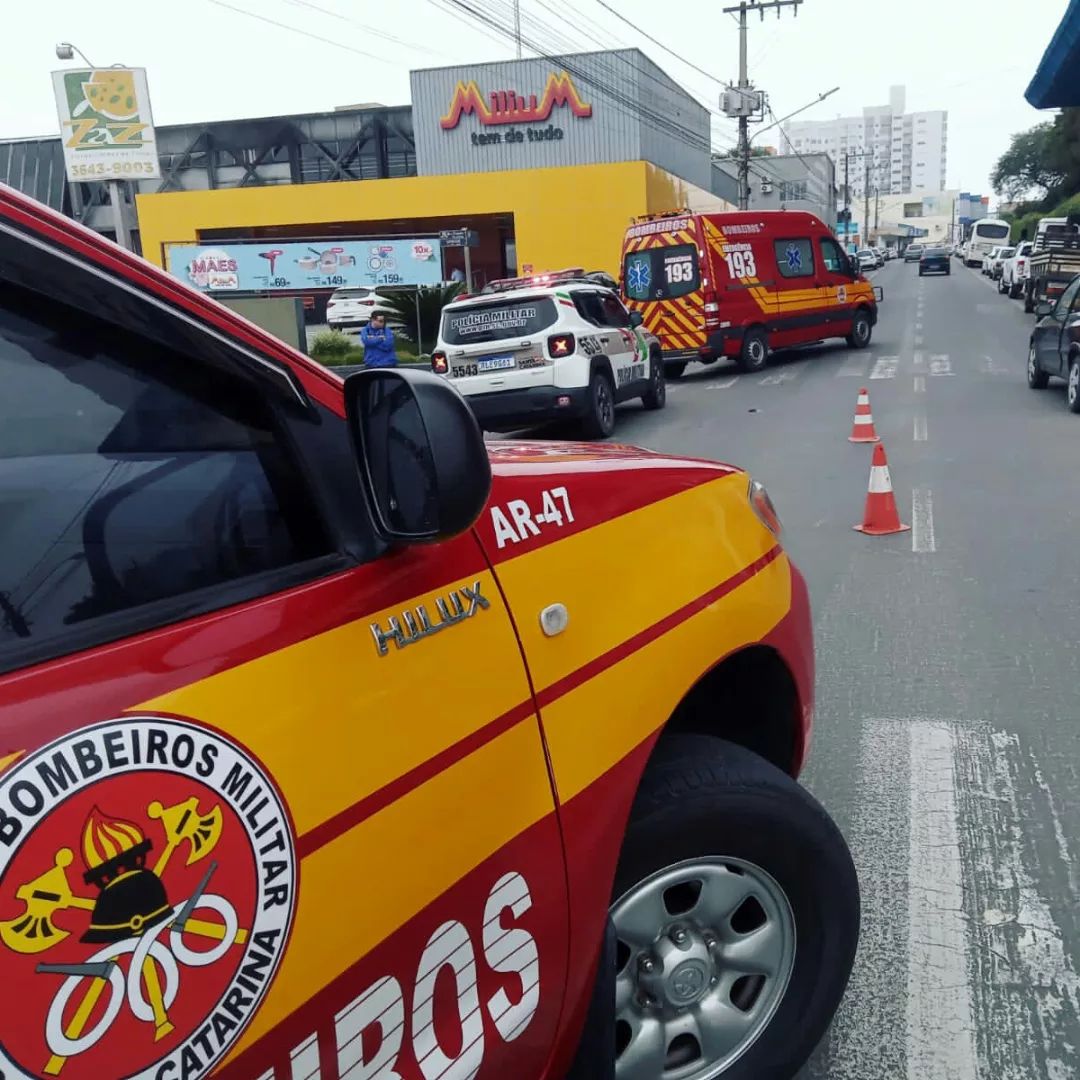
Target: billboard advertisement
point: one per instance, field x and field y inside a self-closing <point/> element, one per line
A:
<point x="106" y="127"/>
<point x="316" y="264"/>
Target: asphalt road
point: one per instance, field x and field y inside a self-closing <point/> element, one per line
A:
<point x="946" y="742"/>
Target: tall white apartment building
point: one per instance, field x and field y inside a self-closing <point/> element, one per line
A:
<point x="904" y="151"/>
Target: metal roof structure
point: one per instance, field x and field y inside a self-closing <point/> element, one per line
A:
<point x="1055" y="84"/>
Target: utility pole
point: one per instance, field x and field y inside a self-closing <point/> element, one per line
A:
<point x="744" y="102"/>
<point x="877" y="202"/>
<point x="517" y="26"/>
<point x="866" y="206"/>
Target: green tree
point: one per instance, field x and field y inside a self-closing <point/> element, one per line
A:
<point x="418" y="311"/>
<point x="1030" y="164"/>
<point x="1044" y="160"/>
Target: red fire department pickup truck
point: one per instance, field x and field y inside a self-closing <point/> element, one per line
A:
<point x="334" y="743"/>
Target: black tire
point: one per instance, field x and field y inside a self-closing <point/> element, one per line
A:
<point x="1014" y="291"/>
<point x="1001" y="285"/>
<point x="656" y="396"/>
<point x="1072" y="385"/>
<point x="675" y="371"/>
<point x="599" y="421"/>
<point x="862" y="328"/>
<point x="1029" y="302"/>
<point x="754" y="354"/>
<point x="1037" y="378"/>
<point x="704" y="798"/>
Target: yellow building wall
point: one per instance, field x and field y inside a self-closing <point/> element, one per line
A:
<point x="569" y="216"/>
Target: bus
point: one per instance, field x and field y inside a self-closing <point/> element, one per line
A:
<point x="985" y="234"/>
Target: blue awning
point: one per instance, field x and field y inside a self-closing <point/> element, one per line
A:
<point x="1056" y="82"/>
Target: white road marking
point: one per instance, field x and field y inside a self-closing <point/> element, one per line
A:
<point x="918" y="340"/>
<point x="778" y="377"/>
<point x="723" y="384"/>
<point x="923" y="541"/>
<point x="853" y="367"/>
<point x="885" y="367"/>
<point x="940" y="1014"/>
<point x="918" y="325"/>
<point x="917" y="359"/>
<point x="919" y="428"/>
<point x="920" y="384"/>
<point x="940" y="364"/>
<point x="990" y="366"/>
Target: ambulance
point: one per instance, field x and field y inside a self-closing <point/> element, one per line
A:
<point x="742" y="285"/>
<point x="338" y="744"/>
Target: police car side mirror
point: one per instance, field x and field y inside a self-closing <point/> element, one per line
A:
<point x="421" y="454"/>
<point x="636" y="318"/>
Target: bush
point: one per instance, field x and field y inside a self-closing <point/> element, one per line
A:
<point x="330" y="346"/>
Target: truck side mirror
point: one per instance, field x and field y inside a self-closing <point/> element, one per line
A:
<point x="421" y="455"/>
<point x="636" y="318"/>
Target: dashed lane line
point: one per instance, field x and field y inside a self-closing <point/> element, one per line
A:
<point x="919" y="432"/>
<point x="919" y="384"/>
<point x="923" y="540"/>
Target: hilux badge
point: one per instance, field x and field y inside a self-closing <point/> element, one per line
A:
<point x="417" y="624"/>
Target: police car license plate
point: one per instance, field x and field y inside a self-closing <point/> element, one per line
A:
<point x="495" y="363"/>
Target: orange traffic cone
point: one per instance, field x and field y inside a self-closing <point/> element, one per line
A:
<point x="880" y="517"/>
<point x="862" y="430"/>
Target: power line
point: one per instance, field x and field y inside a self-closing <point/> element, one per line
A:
<point x="297" y="30"/>
<point x="371" y="30"/>
<point x="645" y="34"/>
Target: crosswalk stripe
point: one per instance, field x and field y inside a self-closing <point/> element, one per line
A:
<point x="940" y="364"/>
<point x="853" y="367"/>
<point x="723" y="384"/>
<point x="778" y="377"/>
<point x="885" y="367"/>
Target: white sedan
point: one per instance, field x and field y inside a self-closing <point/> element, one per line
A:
<point x="988" y="259"/>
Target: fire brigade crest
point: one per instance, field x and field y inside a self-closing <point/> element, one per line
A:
<point x="147" y="890"/>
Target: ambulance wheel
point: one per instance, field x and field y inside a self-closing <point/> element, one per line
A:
<point x="674" y="371"/>
<point x="755" y="350"/>
<point x="736" y="913"/>
<point x="656" y="396"/>
<point x="599" y="420"/>
<point x="861" y="329"/>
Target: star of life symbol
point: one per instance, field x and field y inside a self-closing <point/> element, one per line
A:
<point x="149" y="934"/>
<point x="794" y="257"/>
<point x="639" y="275"/>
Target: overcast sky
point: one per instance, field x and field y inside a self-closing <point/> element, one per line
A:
<point x="222" y="59"/>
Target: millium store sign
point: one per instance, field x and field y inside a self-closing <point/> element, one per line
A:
<point x="508" y="108"/>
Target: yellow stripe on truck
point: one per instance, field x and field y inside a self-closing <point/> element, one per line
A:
<point x="360" y="888"/>
<point x="338" y="676"/>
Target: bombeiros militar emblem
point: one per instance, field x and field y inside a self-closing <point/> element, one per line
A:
<point x="147" y="889"/>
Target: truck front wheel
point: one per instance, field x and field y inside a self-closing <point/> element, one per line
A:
<point x="736" y="914"/>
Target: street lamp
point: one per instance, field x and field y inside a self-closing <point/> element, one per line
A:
<point x="65" y="50"/>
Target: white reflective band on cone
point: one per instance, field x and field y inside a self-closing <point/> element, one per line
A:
<point x="867" y="419"/>
<point x="880" y="482"/>
<point x="864" y="399"/>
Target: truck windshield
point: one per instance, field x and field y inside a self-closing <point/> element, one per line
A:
<point x="661" y="273"/>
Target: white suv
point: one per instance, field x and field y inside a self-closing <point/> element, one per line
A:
<point x="1014" y="270"/>
<point x="535" y="350"/>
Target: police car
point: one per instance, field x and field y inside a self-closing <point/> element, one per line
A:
<point x="554" y="346"/>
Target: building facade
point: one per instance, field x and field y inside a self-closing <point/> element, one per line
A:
<point x="544" y="161"/>
<point x="788" y="182"/>
<point x="886" y="149"/>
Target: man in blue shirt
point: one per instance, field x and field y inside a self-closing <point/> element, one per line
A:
<point x="378" y="341"/>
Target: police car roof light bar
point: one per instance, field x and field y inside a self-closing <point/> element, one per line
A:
<point x="534" y="280"/>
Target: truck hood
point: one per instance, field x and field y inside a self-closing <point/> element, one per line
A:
<point x="584" y="484"/>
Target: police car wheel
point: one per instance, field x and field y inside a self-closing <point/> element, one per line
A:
<point x="656" y="396"/>
<point x="861" y="330"/>
<point x="600" y="418"/>
<point x="755" y="350"/>
<point x="736" y="911"/>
